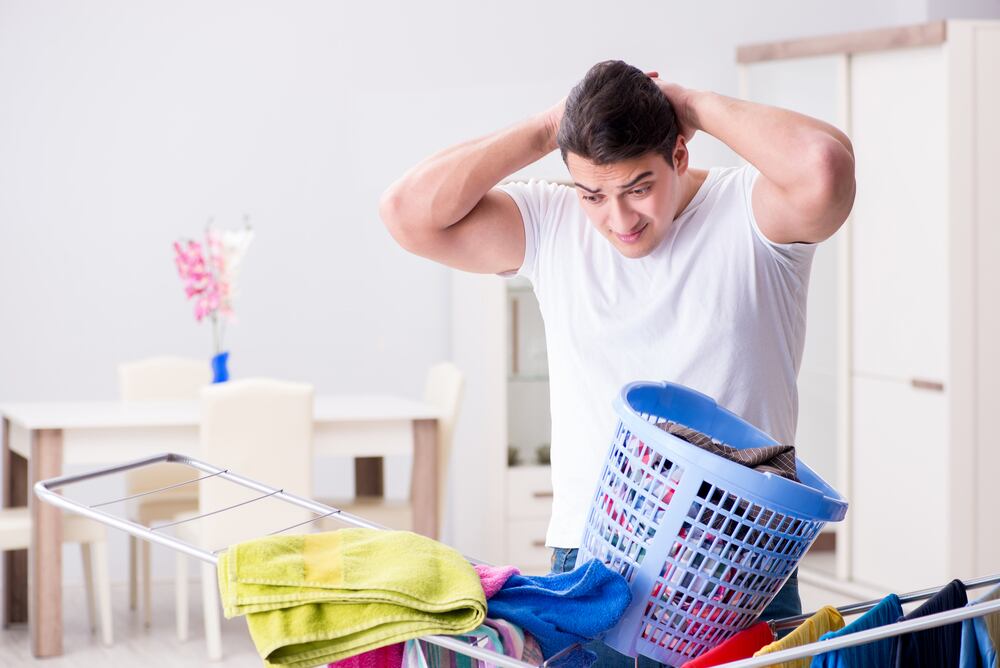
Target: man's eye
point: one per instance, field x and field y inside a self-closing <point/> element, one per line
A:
<point x="591" y="198"/>
<point x="641" y="191"/>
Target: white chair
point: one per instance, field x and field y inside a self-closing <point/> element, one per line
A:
<point x="260" y="429"/>
<point x="157" y="379"/>
<point x="15" y="534"/>
<point x="443" y="389"/>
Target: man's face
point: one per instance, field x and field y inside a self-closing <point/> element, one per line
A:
<point x="632" y="203"/>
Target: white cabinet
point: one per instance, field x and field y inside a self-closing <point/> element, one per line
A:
<point x="503" y="500"/>
<point x="900" y="131"/>
<point x="529" y="505"/>
<point x="900" y="470"/>
<point x="918" y="321"/>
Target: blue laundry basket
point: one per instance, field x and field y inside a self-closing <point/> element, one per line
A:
<point x="704" y="542"/>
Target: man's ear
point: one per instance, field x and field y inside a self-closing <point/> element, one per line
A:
<point x="680" y="155"/>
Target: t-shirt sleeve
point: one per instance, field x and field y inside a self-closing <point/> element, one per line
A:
<point x="796" y="257"/>
<point x="539" y="203"/>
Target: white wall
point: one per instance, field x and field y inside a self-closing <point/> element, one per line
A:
<point x="125" y="124"/>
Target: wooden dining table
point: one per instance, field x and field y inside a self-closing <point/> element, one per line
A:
<point x="41" y="438"/>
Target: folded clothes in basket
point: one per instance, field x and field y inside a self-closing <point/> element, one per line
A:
<point x="777" y="459"/>
<point x="316" y="598"/>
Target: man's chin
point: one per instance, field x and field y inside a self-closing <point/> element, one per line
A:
<point x="633" y="251"/>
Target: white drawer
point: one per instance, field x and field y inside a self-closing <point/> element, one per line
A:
<point x="526" y="546"/>
<point x="529" y="492"/>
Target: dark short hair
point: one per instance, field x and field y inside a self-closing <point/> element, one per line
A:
<point x="616" y="113"/>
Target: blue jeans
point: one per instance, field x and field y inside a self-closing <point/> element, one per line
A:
<point x="785" y="604"/>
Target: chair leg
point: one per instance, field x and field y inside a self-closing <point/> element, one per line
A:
<point x="146" y="583"/>
<point x="102" y="585"/>
<point x="133" y="588"/>
<point x="88" y="584"/>
<point x="181" y="596"/>
<point x="210" y="602"/>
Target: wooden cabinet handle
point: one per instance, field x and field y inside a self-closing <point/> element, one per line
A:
<point x="538" y="543"/>
<point x="542" y="495"/>
<point x="924" y="384"/>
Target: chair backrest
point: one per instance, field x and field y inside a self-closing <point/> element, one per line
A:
<point x="163" y="378"/>
<point x="444" y="390"/>
<point x="260" y="429"/>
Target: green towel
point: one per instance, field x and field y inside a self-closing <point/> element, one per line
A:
<point x="317" y="598"/>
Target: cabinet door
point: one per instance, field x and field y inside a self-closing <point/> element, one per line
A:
<point x="899" y="223"/>
<point x="526" y="546"/>
<point x="899" y="505"/>
<point x="987" y="207"/>
<point x="814" y="86"/>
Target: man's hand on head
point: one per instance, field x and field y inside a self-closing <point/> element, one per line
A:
<point x="681" y="99"/>
<point x="552" y="118"/>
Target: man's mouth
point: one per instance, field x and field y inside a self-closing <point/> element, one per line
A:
<point x="632" y="237"/>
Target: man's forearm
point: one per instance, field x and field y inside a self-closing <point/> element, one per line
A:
<point x="441" y="190"/>
<point x="782" y="144"/>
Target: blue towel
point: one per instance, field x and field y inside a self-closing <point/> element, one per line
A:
<point x="563" y="609"/>
<point x="878" y="653"/>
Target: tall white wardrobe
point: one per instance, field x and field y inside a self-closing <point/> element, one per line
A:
<point x="902" y="374"/>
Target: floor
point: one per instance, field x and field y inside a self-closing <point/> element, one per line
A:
<point x="158" y="645"/>
<point x="134" y="645"/>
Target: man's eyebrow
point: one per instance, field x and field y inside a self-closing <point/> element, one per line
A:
<point x="624" y="187"/>
<point x="635" y="180"/>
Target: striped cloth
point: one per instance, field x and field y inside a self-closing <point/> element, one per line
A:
<point x="496" y="634"/>
<point x="776" y="459"/>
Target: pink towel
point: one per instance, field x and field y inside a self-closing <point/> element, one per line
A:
<point x="494" y="577"/>
<point x="390" y="656"/>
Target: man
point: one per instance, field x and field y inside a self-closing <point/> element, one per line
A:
<point x="646" y="268"/>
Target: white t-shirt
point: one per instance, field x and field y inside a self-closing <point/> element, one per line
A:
<point x="717" y="307"/>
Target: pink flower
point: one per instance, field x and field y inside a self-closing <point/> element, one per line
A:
<point x="211" y="282"/>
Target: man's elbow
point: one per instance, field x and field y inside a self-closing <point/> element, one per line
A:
<point x="833" y="170"/>
<point x="401" y="224"/>
<point x="833" y="183"/>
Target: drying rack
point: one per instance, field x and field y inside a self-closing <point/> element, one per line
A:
<point x="49" y="491"/>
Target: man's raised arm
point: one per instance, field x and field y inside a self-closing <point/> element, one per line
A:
<point x="445" y="208"/>
<point x="806" y="188"/>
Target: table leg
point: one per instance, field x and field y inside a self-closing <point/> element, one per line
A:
<point x="45" y="556"/>
<point x="15" y="494"/>
<point x="424" y="486"/>
<point x="368" y="476"/>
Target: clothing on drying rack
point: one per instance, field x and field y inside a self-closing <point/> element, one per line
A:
<point x="981" y="637"/>
<point x="390" y="656"/>
<point x="740" y="646"/>
<point x="317" y="598"/>
<point x="532" y="650"/>
<point x="493" y="578"/>
<point x="509" y="638"/>
<point x="776" y="459"/>
<point x="824" y="620"/>
<point x="878" y="653"/>
<point x="418" y="654"/>
<point x="496" y="634"/>
<point x="563" y="609"/>
<point x="936" y="647"/>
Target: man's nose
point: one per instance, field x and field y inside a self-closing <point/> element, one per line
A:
<point x="622" y="219"/>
